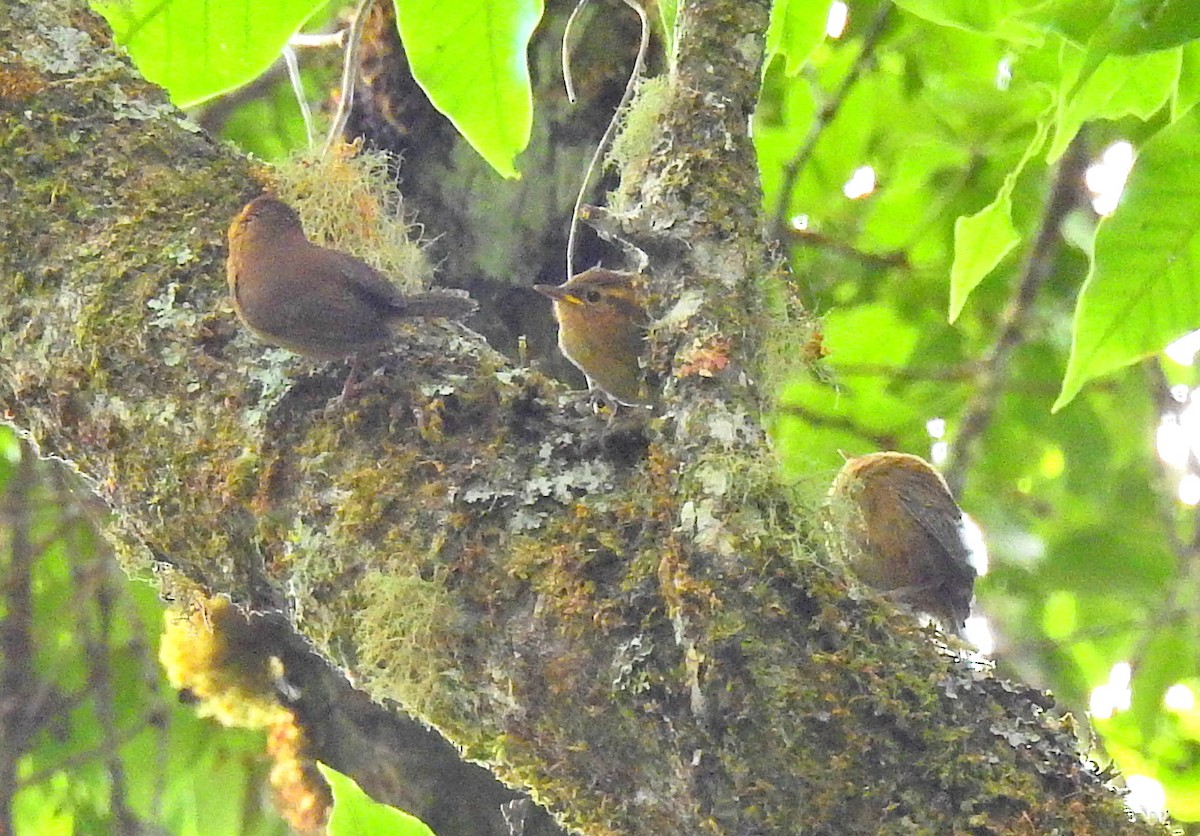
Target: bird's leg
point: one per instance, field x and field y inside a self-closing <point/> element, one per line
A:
<point x="350" y="388"/>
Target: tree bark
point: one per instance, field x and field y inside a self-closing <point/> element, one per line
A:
<point x="637" y="621"/>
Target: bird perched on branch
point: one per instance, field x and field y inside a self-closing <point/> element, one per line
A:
<point x="602" y="330"/>
<point x="315" y="301"/>
<point x="901" y="532"/>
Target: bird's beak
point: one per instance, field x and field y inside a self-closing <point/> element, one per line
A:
<point x="557" y="293"/>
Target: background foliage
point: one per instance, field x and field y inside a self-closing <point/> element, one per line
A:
<point x="976" y="307"/>
<point x="99" y="741"/>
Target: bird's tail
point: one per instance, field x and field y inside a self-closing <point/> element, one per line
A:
<point x="451" y="304"/>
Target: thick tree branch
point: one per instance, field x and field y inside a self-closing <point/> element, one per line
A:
<point x="632" y="619"/>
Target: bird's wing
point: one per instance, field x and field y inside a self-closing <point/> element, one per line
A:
<point x="368" y="283"/>
<point x="939" y="515"/>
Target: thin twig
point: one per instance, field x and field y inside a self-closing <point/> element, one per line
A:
<point x="818" y="240"/>
<point x="630" y="86"/>
<point x="79" y="757"/>
<point x="1039" y="263"/>
<point x="17" y="676"/>
<point x="1179" y="589"/>
<point x="349" y="75"/>
<point x="951" y="374"/>
<point x="881" y="441"/>
<point x="566" y="51"/>
<point x="214" y="115"/>
<point x="306" y="40"/>
<point x="825" y="116"/>
<point x="100" y="642"/>
<point x="293" y="70"/>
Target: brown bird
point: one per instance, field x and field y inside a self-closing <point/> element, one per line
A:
<point x="903" y="534"/>
<point x="312" y="300"/>
<point x="602" y="330"/>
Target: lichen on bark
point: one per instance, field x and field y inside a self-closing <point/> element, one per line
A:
<point x="632" y="619"/>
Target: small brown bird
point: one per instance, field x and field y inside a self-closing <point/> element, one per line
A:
<point x="315" y="301"/>
<point x="903" y="534"/>
<point x="602" y="330"/>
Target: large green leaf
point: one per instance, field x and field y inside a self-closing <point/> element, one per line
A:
<point x="995" y="18"/>
<point x="982" y="240"/>
<point x="1137" y="26"/>
<point x="1136" y="85"/>
<point x="1187" y="91"/>
<point x="469" y="58"/>
<point x="198" y="49"/>
<point x="1141" y="293"/>
<point x="355" y="814"/>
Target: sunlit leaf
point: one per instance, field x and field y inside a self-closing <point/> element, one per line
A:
<point x="198" y="49"/>
<point x="1164" y="661"/>
<point x="982" y="240"/>
<point x="996" y="18"/>
<point x="469" y="56"/>
<point x="1187" y="91"/>
<point x="1142" y="293"/>
<point x="796" y="27"/>
<point x="1137" y="26"/>
<point x="1136" y="85"/>
<point x="355" y="814"/>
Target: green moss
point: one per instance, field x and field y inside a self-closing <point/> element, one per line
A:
<point x="349" y="199"/>
<point x="406" y="629"/>
<point x="640" y="129"/>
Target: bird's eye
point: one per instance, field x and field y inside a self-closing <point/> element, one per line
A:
<point x="593" y="296"/>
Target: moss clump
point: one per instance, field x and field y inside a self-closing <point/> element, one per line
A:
<point x="348" y="199"/>
<point x="792" y="343"/>
<point x="213" y="653"/>
<point x="403" y="622"/>
<point x="639" y="130"/>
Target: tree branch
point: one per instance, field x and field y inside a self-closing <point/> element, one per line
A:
<point x="828" y="111"/>
<point x="1038" y="267"/>
<point x="632" y="619"/>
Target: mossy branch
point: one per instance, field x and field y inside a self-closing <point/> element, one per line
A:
<point x="633" y="620"/>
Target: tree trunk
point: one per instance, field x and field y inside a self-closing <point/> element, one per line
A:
<point x="637" y="620"/>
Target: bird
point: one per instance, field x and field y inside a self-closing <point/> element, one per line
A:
<point x="602" y="330"/>
<point x="903" y="534"/>
<point x="314" y="301"/>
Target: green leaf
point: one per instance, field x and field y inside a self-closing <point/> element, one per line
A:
<point x="270" y="125"/>
<point x="1141" y="292"/>
<point x="469" y="58"/>
<point x="198" y="49"/>
<point x="1183" y="792"/>
<point x="982" y="240"/>
<point x="355" y="814"/>
<point x="795" y="30"/>
<point x="1077" y="20"/>
<point x="1165" y="660"/>
<point x="980" y="243"/>
<point x="1137" y="26"/>
<point x="994" y="18"/>
<point x="668" y="10"/>
<point x="1125" y="31"/>
<point x="1187" y="91"/>
<point x="1120" y="86"/>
